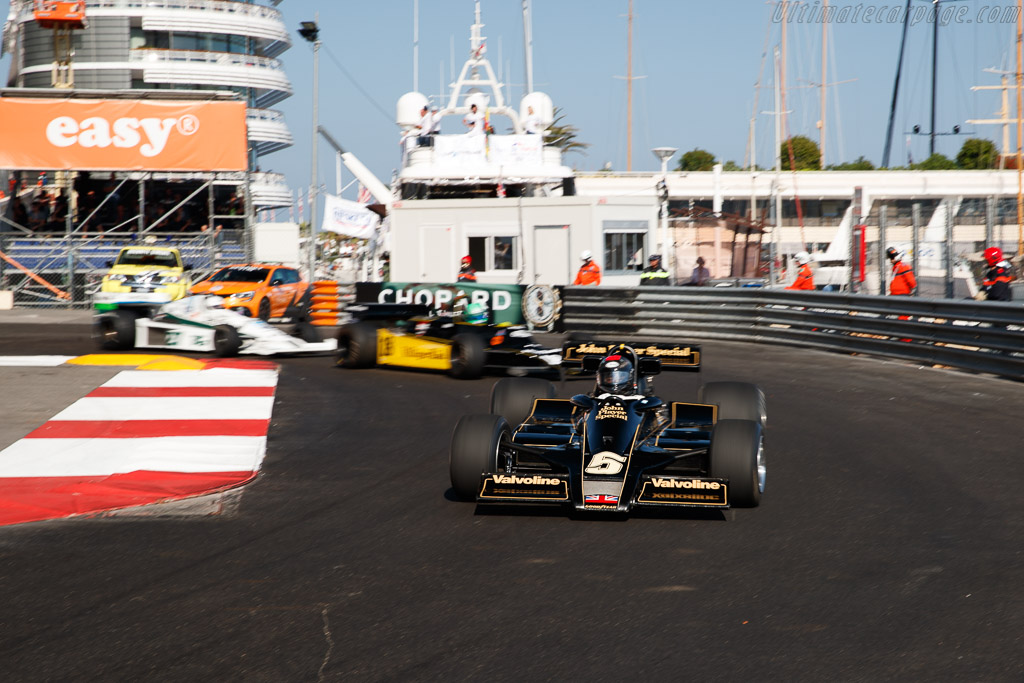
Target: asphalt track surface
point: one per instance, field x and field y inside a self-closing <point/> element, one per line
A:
<point x="888" y="546"/>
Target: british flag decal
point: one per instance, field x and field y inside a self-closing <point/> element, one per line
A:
<point x="601" y="499"/>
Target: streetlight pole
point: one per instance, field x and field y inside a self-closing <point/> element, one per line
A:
<point x="311" y="32"/>
<point x="664" y="154"/>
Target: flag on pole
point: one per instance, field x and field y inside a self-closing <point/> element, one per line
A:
<point x="302" y="205"/>
<point x="364" y="196"/>
<point x="348" y="218"/>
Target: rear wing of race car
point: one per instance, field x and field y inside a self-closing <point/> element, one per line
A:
<point x="653" y="356"/>
<point x="387" y="312"/>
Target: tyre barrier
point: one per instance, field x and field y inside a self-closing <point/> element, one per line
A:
<point x="328" y="303"/>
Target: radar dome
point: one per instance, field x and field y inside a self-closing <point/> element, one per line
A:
<point x="542" y="107"/>
<point x="479" y="99"/>
<point x="409" y="106"/>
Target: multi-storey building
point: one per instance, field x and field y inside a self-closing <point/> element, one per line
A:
<point x="222" y="45"/>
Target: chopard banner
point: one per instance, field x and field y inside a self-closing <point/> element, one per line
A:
<point x="112" y="135"/>
<point x="348" y="218"/>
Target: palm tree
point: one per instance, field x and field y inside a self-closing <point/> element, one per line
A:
<point x="563" y="135"/>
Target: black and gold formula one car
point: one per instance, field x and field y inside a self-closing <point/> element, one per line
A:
<point x="413" y="336"/>
<point x="619" y="447"/>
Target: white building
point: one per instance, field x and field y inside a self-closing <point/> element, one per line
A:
<point x="615" y="215"/>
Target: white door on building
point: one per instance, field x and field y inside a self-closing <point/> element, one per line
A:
<point x="552" y="263"/>
<point x="437" y="253"/>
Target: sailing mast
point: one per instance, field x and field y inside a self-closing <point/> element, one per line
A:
<point x="1020" y="127"/>
<point x="824" y="81"/>
<point x="896" y="89"/>
<point x="629" y="91"/>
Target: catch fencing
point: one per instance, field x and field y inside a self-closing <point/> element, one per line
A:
<point x="977" y="336"/>
<point x="76" y="264"/>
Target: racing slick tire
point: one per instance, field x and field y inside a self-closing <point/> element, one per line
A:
<point x="306" y="332"/>
<point x="512" y="397"/>
<point x="357" y="346"/>
<point x="737" y="454"/>
<point x="467" y="356"/>
<point x="115" y="331"/>
<point x="735" y="401"/>
<point x="263" y="313"/>
<point x="474" y="451"/>
<point x="226" y="341"/>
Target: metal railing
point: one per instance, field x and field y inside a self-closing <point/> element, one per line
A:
<point x="203" y="57"/>
<point x="227" y="7"/>
<point x="977" y="336"/>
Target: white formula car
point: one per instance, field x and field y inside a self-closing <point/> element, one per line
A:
<point x="201" y="323"/>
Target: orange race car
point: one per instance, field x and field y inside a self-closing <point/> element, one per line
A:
<point x="260" y="290"/>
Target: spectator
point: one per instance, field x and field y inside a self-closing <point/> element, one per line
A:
<point x="903" y="281"/>
<point x="424" y="127"/>
<point x="589" y="273"/>
<point x="474" y="121"/>
<point x="804" y="276"/>
<point x="700" y="275"/>
<point x="654" y="274"/>
<point x="531" y="124"/>
<point x="996" y="284"/>
<point x="466" y="271"/>
<point x="435" y="121"/>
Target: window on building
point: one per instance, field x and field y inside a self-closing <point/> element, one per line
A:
<point x="494" y="253"/>
<point x="624" y="245"/>
<point x="137" y="38"/>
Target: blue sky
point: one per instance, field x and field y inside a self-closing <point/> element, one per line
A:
<point x="699" y="60"/>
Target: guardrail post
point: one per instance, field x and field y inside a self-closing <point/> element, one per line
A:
<point x="949" y="250"/>
<point x="916" y="213"/>
<point x="883" y="220"/>
<point x="989" y="218"/>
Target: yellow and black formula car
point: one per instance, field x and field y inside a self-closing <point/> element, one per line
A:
<point x="463" y="345"/>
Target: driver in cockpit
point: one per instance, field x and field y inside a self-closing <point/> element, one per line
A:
<point x="616" y="376"/>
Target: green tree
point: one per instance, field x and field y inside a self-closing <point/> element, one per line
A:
<point x="936" y="162"/>
<point x="805" y="153"/>
<point x="860" y="164"/>
<point x="732" y="166"/>
<point x="977" y="153"/>
<point x="696" y="160"/>
<point x="563" y="135"/>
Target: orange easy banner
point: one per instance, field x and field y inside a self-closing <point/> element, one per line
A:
<point x="120" y="135"/>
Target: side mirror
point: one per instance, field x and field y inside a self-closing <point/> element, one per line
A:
<point x="276" y="281"/>
<point x="188" y="267"/>
<point x="582" y="401"/>
<point x="110" y="264"/>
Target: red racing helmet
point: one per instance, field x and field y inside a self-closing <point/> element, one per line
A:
<point x="467" y="261"/>
<point x="993" y="255"/>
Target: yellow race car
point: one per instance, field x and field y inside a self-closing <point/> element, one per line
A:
<point x="463" y="344"/>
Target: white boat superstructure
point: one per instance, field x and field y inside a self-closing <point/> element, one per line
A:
<point x="478" y="164"/>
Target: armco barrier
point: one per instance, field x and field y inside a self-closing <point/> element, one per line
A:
<point x="970" y="335"/>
